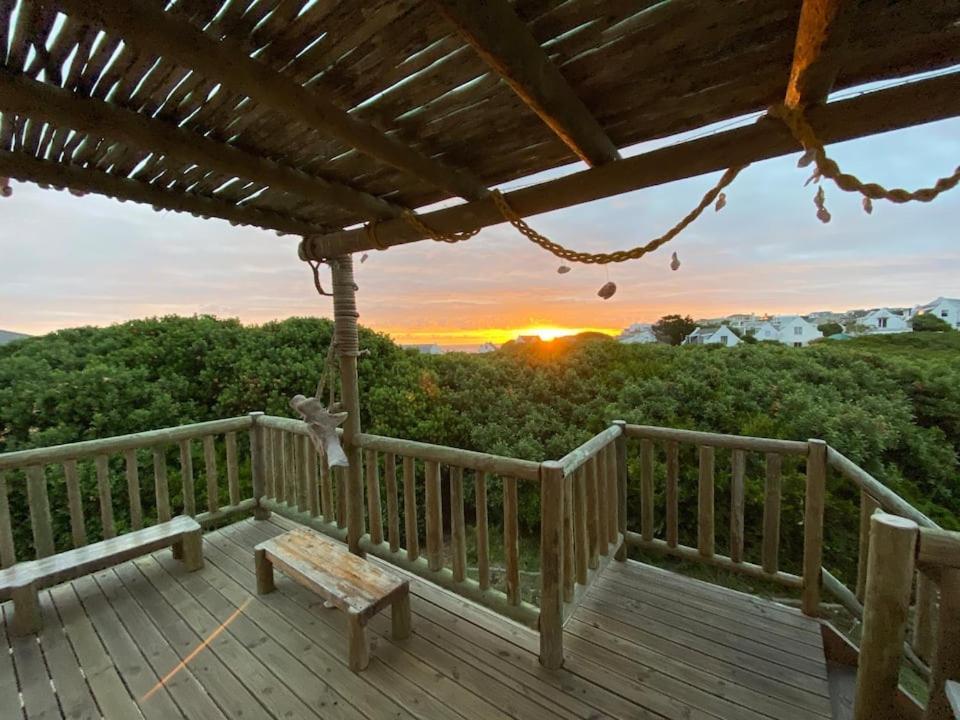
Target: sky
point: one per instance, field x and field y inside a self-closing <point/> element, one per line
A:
<point x="67" y="261"/>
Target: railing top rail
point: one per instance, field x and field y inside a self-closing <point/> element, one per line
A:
<point x="733" y="442"/>
<point x="103" y="446"/>
<point x="887" y="498"/>
<point x="574" y="459"/>
<point x="497" y="464"/>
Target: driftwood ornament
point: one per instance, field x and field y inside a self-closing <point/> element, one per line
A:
<point x="322" y="425"/>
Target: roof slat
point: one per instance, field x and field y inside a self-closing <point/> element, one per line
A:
<point x="821" y="40"/>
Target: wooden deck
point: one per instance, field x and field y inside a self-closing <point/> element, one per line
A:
<point x="644" y="643"/>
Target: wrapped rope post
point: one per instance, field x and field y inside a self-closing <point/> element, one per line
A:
<point x="348" y="348"/>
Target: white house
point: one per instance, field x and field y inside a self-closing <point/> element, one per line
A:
<point x="947" y="309"/>
<point x="883" y="321"/>
<point x="796" y="332"/>
<point x="765" y="331"/>
<point x="637" y="333"/>
<point x="722" y="335"/>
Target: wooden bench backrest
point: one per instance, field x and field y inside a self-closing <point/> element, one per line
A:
<point x="81" y="561"/>
<point x="321" y="563"/>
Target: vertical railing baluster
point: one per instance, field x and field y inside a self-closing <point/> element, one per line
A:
<point x="646" y="489"/>
<point x="340" y="475"/>
<point x="233" y="472"/>
<point x="374" y="513"/>
<point x="411" y="531"/>
<point x="569" y="569"/>
<point x="945" y="658"/>
<point x="8" y="553"/>
<point x="511" y="540"/>
<point x="290" y="472"/>
<point x="925" y="617"/>
<point x="672" y="495"/>
<point x="581" y="532"/>
<point x="210" y="470"/>
<point x="39" y="504"/>
<point x="458" y="530"/>
<point x="483" y="531"/>
<point x="78" y="527"/>
<point x="133" y="489"/>
<point x="771" y="514"/>
<point x="102" y="464"/>
<point x="613" y="499"/>
<point x="280" y="465"/>
<point x="623" y="482"/>
<point x="603" y="499"/>
<point x="592" y="522"/>
<point x="186" y="479"/>
<point x="259" y="464"/>
<point x="434" y="516"/>
<point x="813" y="508"/>
<point x="868" y="506"/>
<point x="393" y="506"/>
<point x="705" y="503"/>
<point x="738" y="467"/>
<point x="161" y="487"/>
<point x="551" y="564"/>
<point x="310" y="467"/>
<point x="303" y="480"/>
<point x="327" y="506"/>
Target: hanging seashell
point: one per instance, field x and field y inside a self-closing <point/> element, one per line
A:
<point x="721" y="202"/>
<point x="823" y="215"/>
<point x="363" y="258"/>
<point x="5" y="188"/>
<point x="322" y="426"/>
<point x="563" y="269"/>
<point x="815" y="178"/>
<point x="868" y="206"/>
<point x="607" y="291"/>
<point x="674" y="262"/>
<point x="806" y="159"/>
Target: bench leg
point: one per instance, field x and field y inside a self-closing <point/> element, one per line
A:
<point x="192" y="550"/>
<point x="26" y="611"/>
<point x="177" y="550"/>
<point x="400" y="617"/>
<point x="359" y="650"/>
<point x="264" y="572"/>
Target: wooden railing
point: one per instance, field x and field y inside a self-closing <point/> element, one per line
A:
<point x="211" y="480"/>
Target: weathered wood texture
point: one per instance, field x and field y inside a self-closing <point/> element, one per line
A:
<point x="813" y="508"/>
<point x="284" y="653"/>
<point x="818" y="53"/>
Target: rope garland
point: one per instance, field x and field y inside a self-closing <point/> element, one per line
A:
<point x="801" y="130"/>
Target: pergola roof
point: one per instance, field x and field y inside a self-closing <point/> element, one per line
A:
<point x="309" y="116"/>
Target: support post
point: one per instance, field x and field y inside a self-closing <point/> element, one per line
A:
<point x="551" y="564"/>
<point x="945" y="663"/>
<point x="348" y="348"/>
<point x="890" y="568"/>
<point x="623" y="481"/>
<point x="258" y="466"/>
<point x="813" y="525"/>
<point x="925" y="618"/>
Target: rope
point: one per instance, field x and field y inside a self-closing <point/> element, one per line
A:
<point x="794" y="119"/>
<point x="417" y="224"/>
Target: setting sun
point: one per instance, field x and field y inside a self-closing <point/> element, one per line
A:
<point x="498" y="336"/>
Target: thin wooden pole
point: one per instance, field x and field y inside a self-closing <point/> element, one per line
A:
<point x="672" y="493"/>
<point x="813" y="525"/>
<point x="569" y="571"/>
<point x="738" y="466"/>
<point x="373" y="497"/>
<point x="593" y="532"/>
<point x="39" y="511"/>
<point x="233" y="471"/>
<point x="348" y="348"/>
<point x="210" y="469"/>
<point x="646" y="489"/>
<point x="945" y="664"/>
<point x="925" y="617"/>
<point x="551" y="565"/>
<point x="161" y="489"/>
<point x="102" y="463"/>
<point x="393" y="511"/>
<point x="623" y="482"/>
<point x="581" y="533"/>
<point x="8" y="555"/>
<point x="771" y="514"/>
<point x="78" y="528"/>
<point x="411" y="531"/>
<point x="511" y="540"/>
<point x="458" y="530"/>
<point x="483" y="532"/>
<point x="603" y="503"/>
<point x="434" y="516"/>
<point x="613" y="494"/>
<point x="186" y="479"/>
<point x="133" y="489"/>
<point x="705" y="503"/>
<point x="889" y="581"/>
<point x="868" y="506"/>
<point x="258" y="464"/>
<point x="310" y="469"/>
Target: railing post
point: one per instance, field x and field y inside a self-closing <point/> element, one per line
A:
<point x="925" y="617"/>
<point x="348" y="348"/>
<point x="813" y="525"/>
<point x="945" y="664"/>
<point x="868" y="506"/>
<point x="551" y="564"/>
<point x="258" y="467"/>
<point x="890" y="568"/>
<point x="623" y="481"/>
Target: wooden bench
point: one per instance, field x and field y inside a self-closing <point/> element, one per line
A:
<point x="357" y="587"/>
<point x="23" y="581"/>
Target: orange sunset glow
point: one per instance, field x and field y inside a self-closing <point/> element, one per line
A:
<point x="498" y="336"/>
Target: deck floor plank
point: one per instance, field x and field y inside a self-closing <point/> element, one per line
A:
<point x="643" y="644"/>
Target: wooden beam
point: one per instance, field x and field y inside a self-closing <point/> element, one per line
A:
<point x="62" y="108"/>
<point x="506" y="44"/>
<point x="144" y="25"/>
<point x="29" y="169"/>
<point x="821" y="38"/>
<point x="877" y="112"/>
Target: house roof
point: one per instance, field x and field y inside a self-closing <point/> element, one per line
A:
<point x="311" y="117"/>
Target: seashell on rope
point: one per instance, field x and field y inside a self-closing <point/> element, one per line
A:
<point x="5" y="189"/>
<point x="563" y="269"/>
<point x="608" y="290"/>
<point x="674" y="262"/>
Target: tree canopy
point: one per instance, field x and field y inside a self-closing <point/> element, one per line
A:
<point x="672" y="329"/>
<point x="928" y="322"/>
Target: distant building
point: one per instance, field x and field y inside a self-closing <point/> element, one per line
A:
<point x="947" y="309"/>
<point x="883" y="321"/>
<point x="765" y="331"/>
<point x="722" y="335"/>
<point x="430" y="349"/>
<point x="795" y="331"/>
<point x="638" y="333"/>
<point x="486" y="348"/>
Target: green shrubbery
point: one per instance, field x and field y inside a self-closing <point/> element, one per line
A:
<point x="891" y="404"/>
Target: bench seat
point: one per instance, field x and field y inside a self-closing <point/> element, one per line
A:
<point x="23" y="581"/>
<point x="346" y="581"/>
